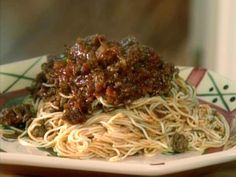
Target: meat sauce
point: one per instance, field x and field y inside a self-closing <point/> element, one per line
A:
<point x="17" y="116"/>
<point x="117" y="71"/>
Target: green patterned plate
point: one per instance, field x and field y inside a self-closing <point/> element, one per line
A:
<point x="212" y="89"/>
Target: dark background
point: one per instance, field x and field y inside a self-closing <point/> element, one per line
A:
<point x="30" y="28"/>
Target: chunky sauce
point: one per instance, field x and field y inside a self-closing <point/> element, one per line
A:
<point x="94" y="67"/>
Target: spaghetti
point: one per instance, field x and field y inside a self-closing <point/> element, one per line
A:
<point x="148" y="126"/>
<point x="110" y="100"/>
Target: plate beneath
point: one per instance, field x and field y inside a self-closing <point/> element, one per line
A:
<point x="212" y="89"/>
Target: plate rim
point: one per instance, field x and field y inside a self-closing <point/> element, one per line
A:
<point x="172" y="166"/>
<point x="97" y="165"/>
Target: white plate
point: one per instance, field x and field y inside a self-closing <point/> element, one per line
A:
<point x="213" y="89"/>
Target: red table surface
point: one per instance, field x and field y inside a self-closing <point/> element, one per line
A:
<point x="220" y="170"/>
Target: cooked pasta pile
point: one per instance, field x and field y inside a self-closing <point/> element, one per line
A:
<point x="113" y="99"/>
<point x="149" y="126"/>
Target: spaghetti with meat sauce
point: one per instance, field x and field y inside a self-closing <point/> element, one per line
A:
<point x="109" y="99"/>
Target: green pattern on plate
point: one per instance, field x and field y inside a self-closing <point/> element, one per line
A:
<point x="218" y="91"/>
<point x="50" y="151"/>
<point x="215" y="94"/>
<point x="14" y="101"/>
<point x="22" y="75"/>
<point x="17" y="76"/>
